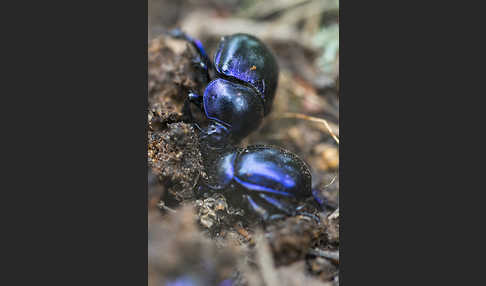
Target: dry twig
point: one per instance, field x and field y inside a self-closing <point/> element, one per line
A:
<point x="313" y="119"/>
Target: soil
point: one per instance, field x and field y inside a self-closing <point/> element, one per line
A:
<point x="199" y="239"/>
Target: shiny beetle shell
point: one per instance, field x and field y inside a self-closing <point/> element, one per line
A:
<point x="246" y="58"/>
<point x="235" y="105"/>
<point x="265" y="174"/>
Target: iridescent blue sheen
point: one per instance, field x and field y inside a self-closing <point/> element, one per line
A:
<point x="264" y="174"/>
<point x="234" y="105"/>
<point x="245" y="57"/>
<point x="243" y="91"/>
<point x="273" y="168"/>
<point x="225" y="170"/>
<point x="227" y="282"/>
<point x="183" y="281"/>
<point x="190" y="281"/>
<point x="177" y="33"/>
<point x="200" y="47"/>
<point x="281" y="205"/>
<point x="261" y="188"/>
<point x="255" y="207"/>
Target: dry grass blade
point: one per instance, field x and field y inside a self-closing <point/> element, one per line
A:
<point x="313" y="119"/>
<point x="332" y="181"/>
<point x="265" y="261"/>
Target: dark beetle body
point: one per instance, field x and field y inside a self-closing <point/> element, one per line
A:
<point x="264" y="175"/>
<point x="242" y="93"/>
<point x="233" y="105"/>
<point x="246" y="58"/>
<point x="197" y="280"/>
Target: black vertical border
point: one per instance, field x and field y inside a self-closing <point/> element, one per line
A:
<point x="76" y="167"/>
<point x="399" y="85"/>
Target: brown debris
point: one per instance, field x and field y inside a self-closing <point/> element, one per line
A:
<point x="295" y="275"/>
<point x="155" y="190"/>
<point x="323" y="268"/>
<point x="178" y="249"/>
<point x="171" y="72"/>
<point x="211" y="211"/>
<point x="326" y="157"/>
<point x="173" y="148"/>
<point x="291" y="239"/>
<point x="174" y="156"/>
<point x="332" y="226"/>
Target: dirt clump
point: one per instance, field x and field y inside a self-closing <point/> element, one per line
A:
<point x="203" y="238"/>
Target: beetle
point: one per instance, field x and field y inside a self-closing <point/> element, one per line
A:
<point x="192" y="280"/>
<point x="242" y="92"/>
<point x="268" y="180"/>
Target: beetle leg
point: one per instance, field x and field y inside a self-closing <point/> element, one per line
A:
<point x="212" y="187"/>
<point x="282" y="206"/>
<point x="217" y="135"/>
<point x="288" y="209"/>
<point x="256" y="207"/>
<point x="203" y="187"/>
<point x="196" y="99"/>
<point x="203" y="62"/>
<point x="276" y="217"/>
<point x="186" y="110"/>
<point x="324" y="203"/>
<point x="307" y="214"/>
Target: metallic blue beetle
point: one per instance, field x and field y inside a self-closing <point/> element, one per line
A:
<point x="242" y="93"/>
<point x="270" y="180"/>
<point x="196" y="281"/>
